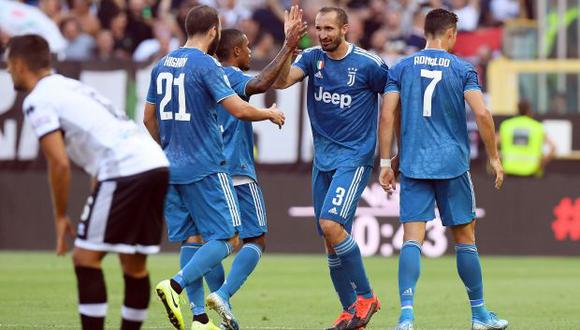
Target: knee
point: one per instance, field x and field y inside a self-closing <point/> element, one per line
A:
<point x="260" y="241"/>
<point x="77" y="258"/>
<point x="330" y="229"/>
<point x="81" y="258"/>
<point x="135" y="270"/>
<point x="463" y="235"/>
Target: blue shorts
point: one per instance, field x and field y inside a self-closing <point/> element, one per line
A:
<point x="252" y="210"/>
<point x="208" y="207"/>
<point x="335" y="194"/>
<point x="454" y="198"/>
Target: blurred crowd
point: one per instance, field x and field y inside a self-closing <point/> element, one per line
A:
<point x="143" y="30"/>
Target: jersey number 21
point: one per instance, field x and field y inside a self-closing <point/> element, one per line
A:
<point x="167" y="79"/>
<point x="436" y="77"/>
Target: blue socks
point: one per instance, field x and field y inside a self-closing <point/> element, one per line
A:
<point x="469" y="270"/>
<point x="341" y="281"/>
<point x="215" y="277"/>
<point x="207" y="257"/>
<point x="195" y="291"/>
<point x="244" y="264"/>
<point x="351" y="259"/>
<point x="409" y="270"/>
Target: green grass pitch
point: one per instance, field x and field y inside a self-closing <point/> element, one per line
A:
<point x="294" y="292"/>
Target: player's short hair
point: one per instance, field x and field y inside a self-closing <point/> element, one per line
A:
<point x="230" y="39"/>
<point x="438" y="21"/>
<point x="32" y="49"/>
<point x="341" y="16"/>
<point x="201" y="19"/>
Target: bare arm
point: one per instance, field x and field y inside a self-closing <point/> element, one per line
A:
<point x="265" y="79"/>
<point x="247" y="112"/>
<point x="59" y="175"/>
<point x="387" y="125"/>
<point x="294" y="30"/>
<point x="395" y="159"/>
<point x="486" y="128"/>
<point x="150" y="121"/>
<point x="386" y="129"/>
<point x="293" y="76"/>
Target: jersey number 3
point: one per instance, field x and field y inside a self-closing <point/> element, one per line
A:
<point x="167" y="79"/>
<point x="436" y="75"/>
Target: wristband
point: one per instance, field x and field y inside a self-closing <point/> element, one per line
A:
<point x="385" y="163"/>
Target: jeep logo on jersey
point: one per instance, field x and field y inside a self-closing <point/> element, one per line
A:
<point x="351" y="76"/>
<point x="342" y="100"/>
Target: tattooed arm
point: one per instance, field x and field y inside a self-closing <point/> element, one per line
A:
<point x="295" y="28"/>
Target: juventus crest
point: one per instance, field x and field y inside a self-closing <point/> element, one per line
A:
<point x="351" y="76"/>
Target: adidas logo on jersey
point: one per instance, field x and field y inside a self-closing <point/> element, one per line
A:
<point x="342" y="100"/>
<point x="318" y="75"/>
<point x="333" y="211"/>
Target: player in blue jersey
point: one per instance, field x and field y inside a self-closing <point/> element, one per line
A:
<point x="181" y="113"/>
<point x="234" y="54"/>
<point x="431" y="88"/>
<point x="344" y="82"/>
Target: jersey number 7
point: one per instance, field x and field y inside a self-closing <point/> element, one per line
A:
<point x="436" y="75"/>
<point x="167" y="79"/>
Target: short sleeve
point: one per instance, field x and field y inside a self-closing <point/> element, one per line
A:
<point x="393" y="84"/>
<point x="152" y="92"/>
<point x="471" y="81"/>
<point x="378" y="77"/>
<point x="239" y="81"/>
<point x="42" y="117"/>
<point x="217" y="83"/>
<point x="304" y="61"/>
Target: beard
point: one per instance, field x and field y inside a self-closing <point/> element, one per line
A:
<point x="245" y="66"/>
<point x="332" y="46"/>
<point x="213" y="46"/>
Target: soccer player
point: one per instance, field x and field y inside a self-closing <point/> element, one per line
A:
<point x="124" y="212"/>
<point x="181" y="113"/>
<point x="234" y="54"/>
<point x="431" y="88"/>
<point x="344" y="82"/>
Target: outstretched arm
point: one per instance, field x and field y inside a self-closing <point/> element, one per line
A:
<point x="294" y="28"/>
<point x="289" y="76"/>
<point x="247" y="112"/>
<point x="486" y="128"/>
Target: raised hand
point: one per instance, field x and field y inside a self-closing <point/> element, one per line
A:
<point x="294" y="27"/>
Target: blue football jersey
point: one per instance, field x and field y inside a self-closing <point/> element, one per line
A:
<point x="434" y="140"/>
<point x="238" y="135"/>
<point x="186" y="87"/>
<point x="342" y="101"/>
